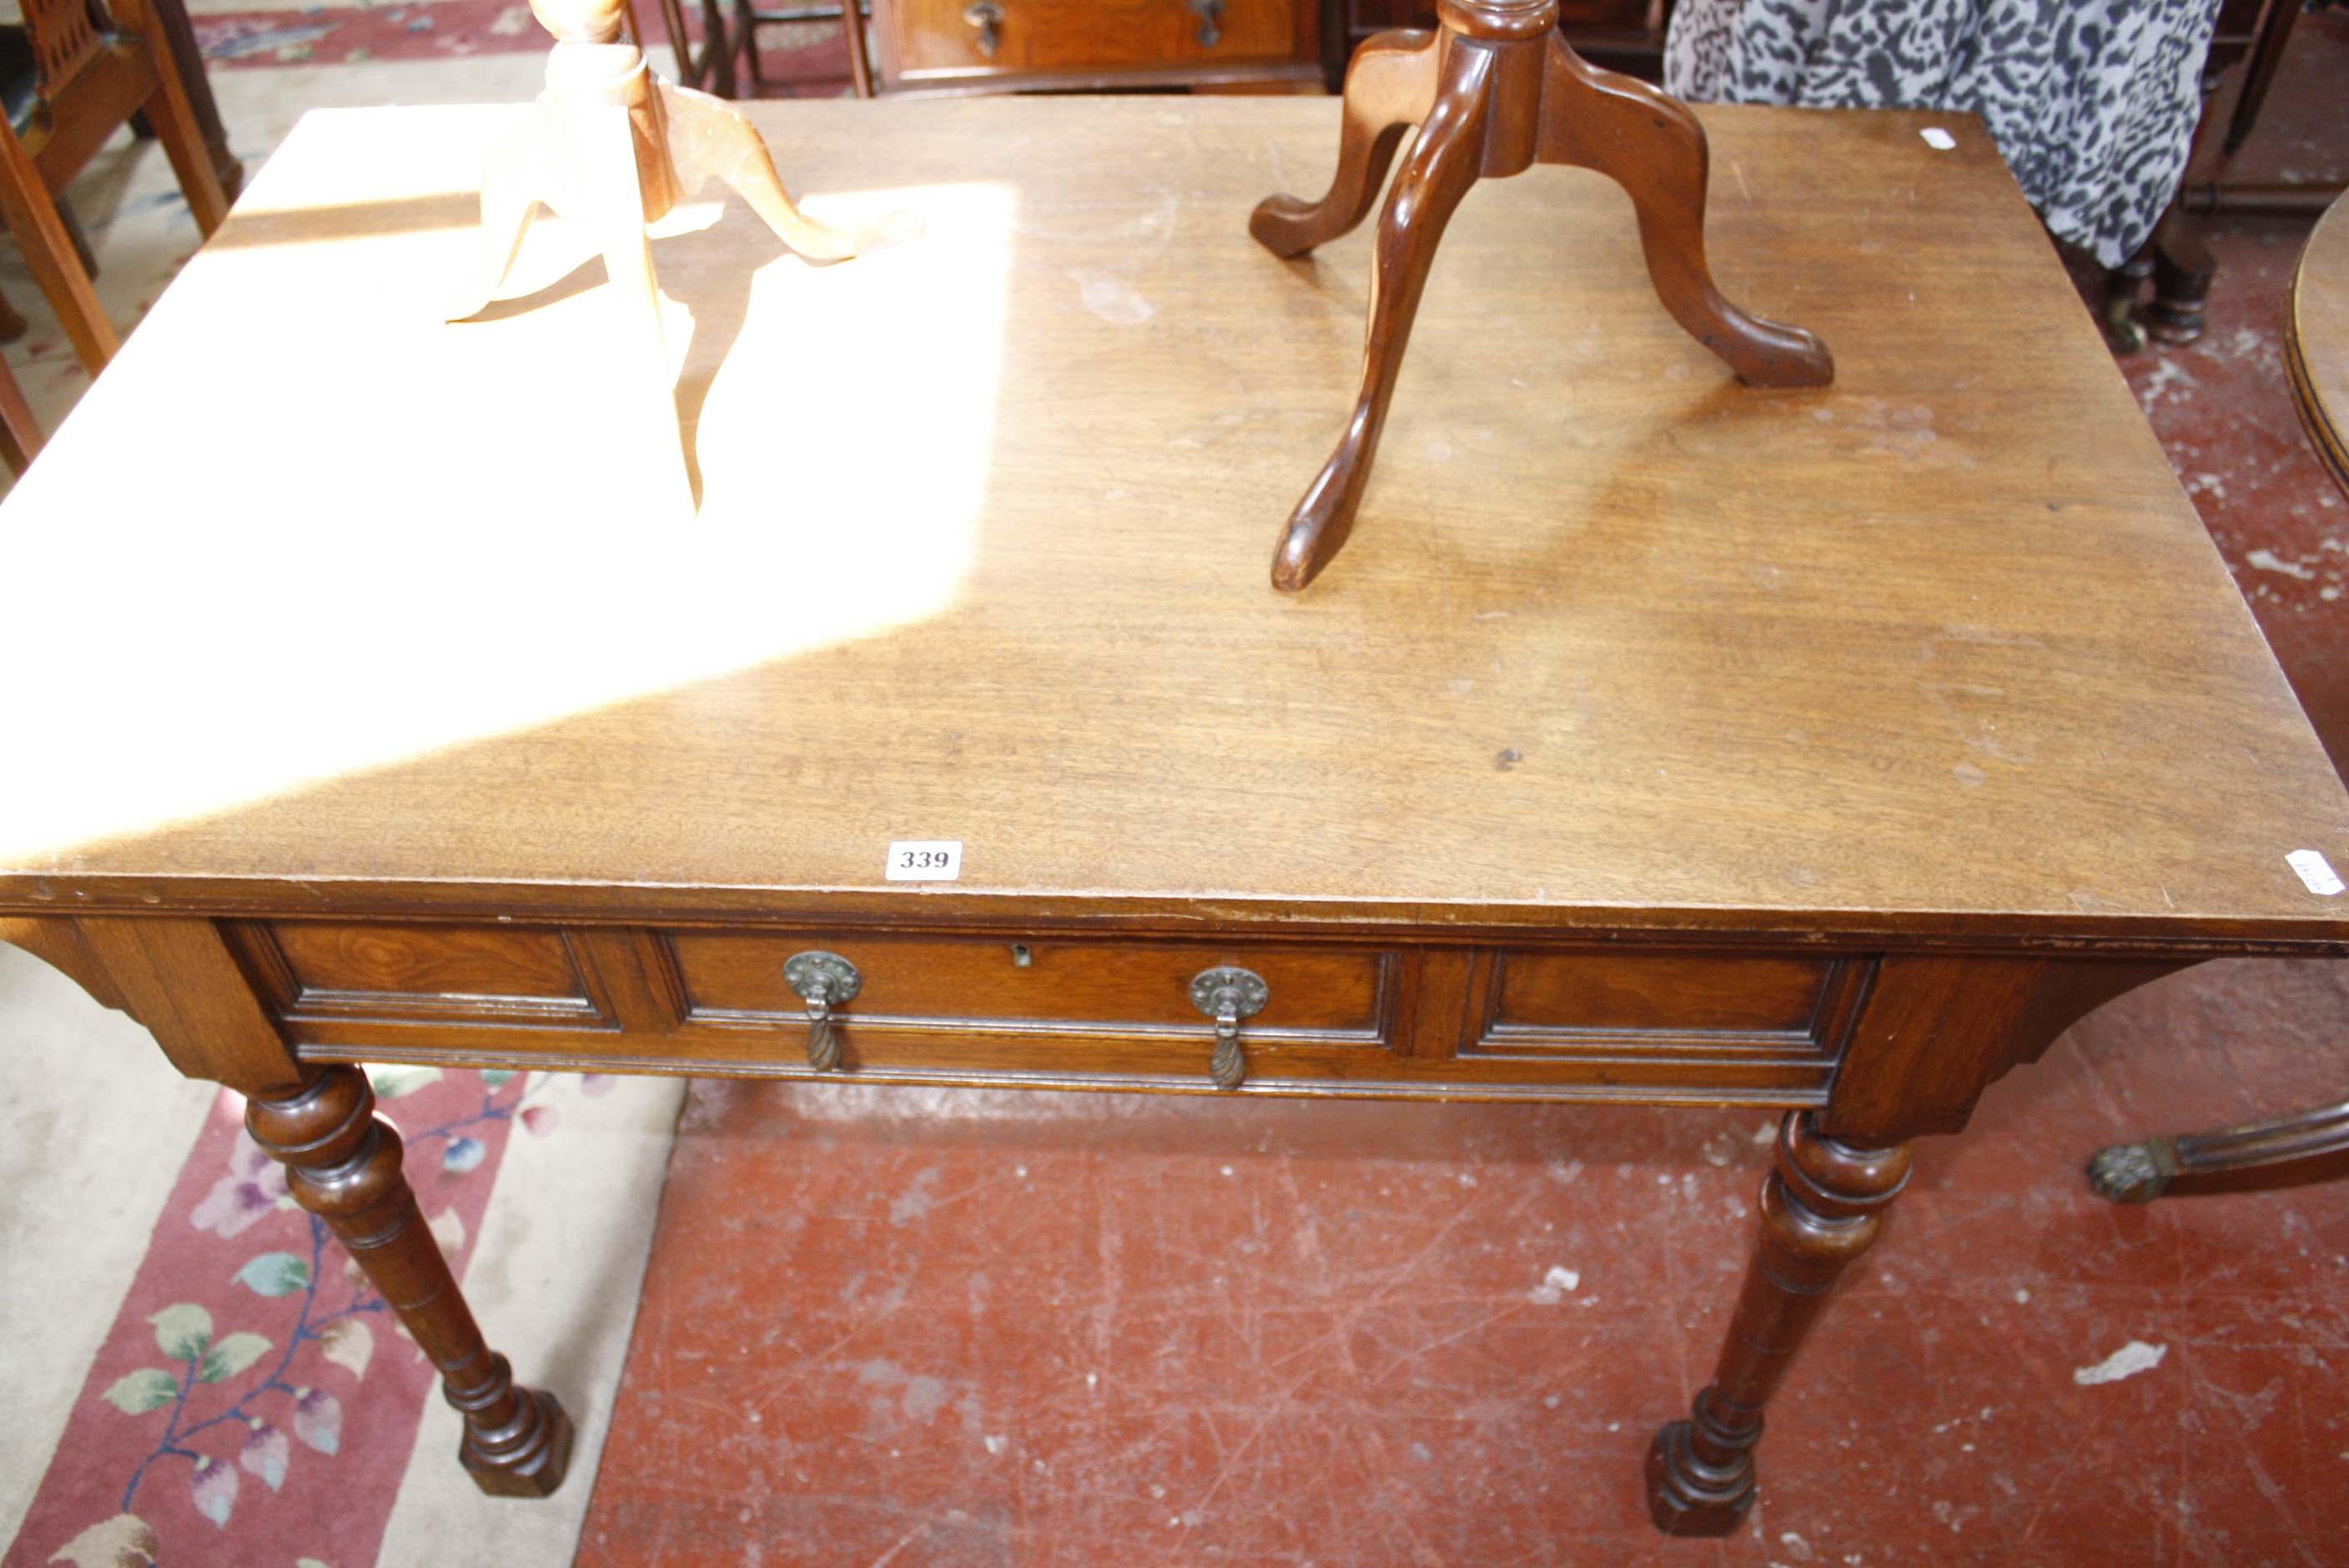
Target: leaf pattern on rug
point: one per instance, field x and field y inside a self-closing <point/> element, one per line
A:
<point x="125" y="1540"/>
<point x="247" y="1348"/>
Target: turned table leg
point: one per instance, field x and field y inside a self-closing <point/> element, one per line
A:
<point x="1821" y="1208"/>
<point x="342" y="1163"/>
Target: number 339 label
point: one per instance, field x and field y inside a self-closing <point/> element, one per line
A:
<point x="924" y="859"/>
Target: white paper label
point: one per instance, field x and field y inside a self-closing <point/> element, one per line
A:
<point x="2316" y="870"/>
<point x="924" y="859"/>
<point x="1937" y="138"/>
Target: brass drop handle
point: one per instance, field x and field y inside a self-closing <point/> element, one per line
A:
<point x="1211" y="21"/>
<point x="986" y="15"/>
<point x="822" y="980"/>
<point x="1227" y="994"/>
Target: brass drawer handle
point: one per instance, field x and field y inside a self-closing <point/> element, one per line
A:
<point x="821" y="979"/>
<point x="1227" y="994"/>
<point x="988" y="18"/>
<point x="1211" y="21"/>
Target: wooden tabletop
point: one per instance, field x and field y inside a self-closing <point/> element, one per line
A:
<point x="320" y="603"/>
<point x="2316" y="338"/>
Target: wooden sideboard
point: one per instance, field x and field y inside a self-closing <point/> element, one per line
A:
<point x="1621" y="35"/>
<point x="1002" y="46"/>
<point x="1658" y="739"/>
<point x="956" y="46"/>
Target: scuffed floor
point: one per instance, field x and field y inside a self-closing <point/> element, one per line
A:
<point x="2222" y="408"/>
<point x="895" y="1325"/>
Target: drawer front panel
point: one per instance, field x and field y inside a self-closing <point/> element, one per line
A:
<point x="1544" y="1003"/>
<point x="424" y="972"/>
<point x="1336" y="996"/>
<point x="931" y="35"/>
<point x="1536" y="1021"/>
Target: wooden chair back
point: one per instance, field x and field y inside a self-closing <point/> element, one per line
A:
<point x="66" y="37"/>
<point x="96" y="69"/>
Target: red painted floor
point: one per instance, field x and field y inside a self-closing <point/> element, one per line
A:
<point x="895" y="1328"/>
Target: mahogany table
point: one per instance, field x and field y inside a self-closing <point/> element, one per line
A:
<point x="1827" y="750"/>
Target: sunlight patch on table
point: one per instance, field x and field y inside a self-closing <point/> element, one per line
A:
<point x="450" y="532"/>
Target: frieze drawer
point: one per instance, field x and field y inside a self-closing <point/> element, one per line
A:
<point x="322" y="971"/>
<point x="1597" y="1003"/>
<point x="1039" y="1002"/>
<point x="1326" y="1017"/>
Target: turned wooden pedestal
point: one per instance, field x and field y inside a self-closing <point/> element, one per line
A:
<point x="1494" y="91"/>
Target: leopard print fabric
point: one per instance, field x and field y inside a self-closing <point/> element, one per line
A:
<point x="2093" y="102"/>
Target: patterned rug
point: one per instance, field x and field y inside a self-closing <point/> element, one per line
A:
<point x="255" y="1401"/>
<point x="796" y="58"/>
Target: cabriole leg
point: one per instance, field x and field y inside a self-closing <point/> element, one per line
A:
<point x="1389" y="87"/>
<point x="1653" y="147"/>
<point x="1445" y="162"/>
<point x="342" y="1164"/>
<point x="1821" y="1208"/>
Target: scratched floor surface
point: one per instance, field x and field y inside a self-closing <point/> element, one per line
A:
<point x="891" y="1325"/>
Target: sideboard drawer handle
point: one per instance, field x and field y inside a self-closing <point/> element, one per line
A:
<point x="1227" y="994"/>
<point x="1211" y="21"/>
<point x="987" y="18"/>
<point x="821" y="979"/>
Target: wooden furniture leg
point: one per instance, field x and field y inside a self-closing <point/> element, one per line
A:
<point x="718" y="47"/>
<point x="613" y="149"/>
<point x="2290" y="1152"/>
<point x="1649" y="144"/>
<point x="1442" y="165"/>
<point x="174" y="32"/>
<point x="1389" y="87"/>
<point x="31" y="216"/>
<point x="20" y="433"/>
<point x="860" y="53"/>
<point x="1494" y="91"/>
<point x="342" y="1163"/>
<point x="177" y="124"/>
<point x="1821" y="1206"/>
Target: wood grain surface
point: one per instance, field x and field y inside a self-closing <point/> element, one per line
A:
<point x="1939" y="652"/>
